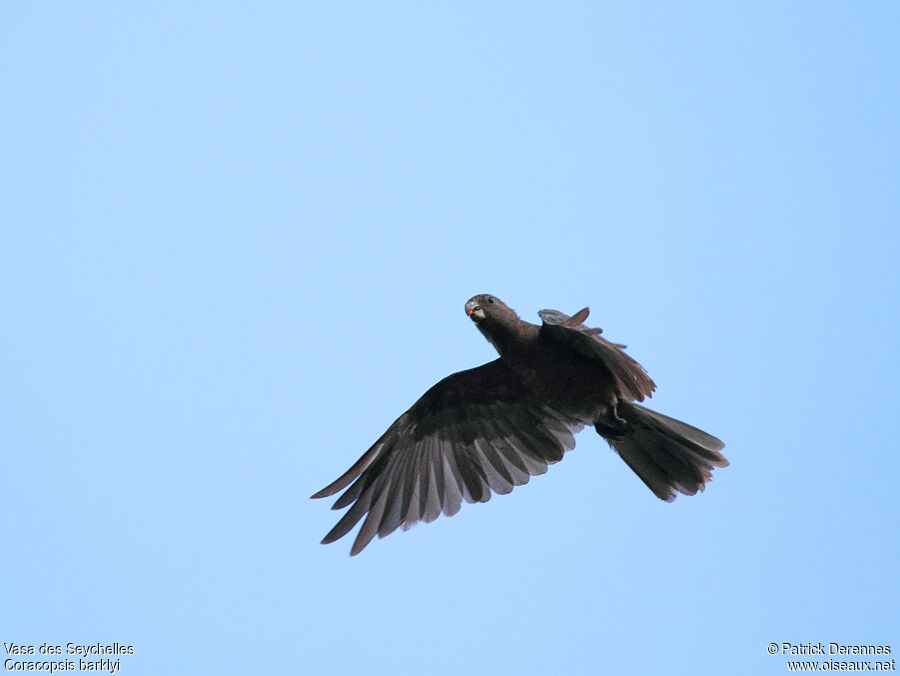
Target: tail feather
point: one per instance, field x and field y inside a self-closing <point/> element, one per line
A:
<point x="668" y="455"/>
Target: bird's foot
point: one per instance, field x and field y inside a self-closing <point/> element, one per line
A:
<point x="612" y="426"/>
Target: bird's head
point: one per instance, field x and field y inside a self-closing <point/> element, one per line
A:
<point x="485" y="306"/>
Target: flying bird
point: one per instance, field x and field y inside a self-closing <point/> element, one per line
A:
<point x="493" y="427"/>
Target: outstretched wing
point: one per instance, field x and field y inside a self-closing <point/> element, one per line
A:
<point x="473" y="432"/>
<point x="632" y="381"/>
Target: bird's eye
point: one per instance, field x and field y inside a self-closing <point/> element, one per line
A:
<point x="491" y="301"/>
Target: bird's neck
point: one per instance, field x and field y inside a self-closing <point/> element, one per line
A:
<point x="508" y="337"/>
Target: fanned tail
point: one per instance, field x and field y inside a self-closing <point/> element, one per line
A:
<point x="668" y="455"/>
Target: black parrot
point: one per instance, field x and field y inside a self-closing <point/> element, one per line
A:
<point x="495" y="426"/>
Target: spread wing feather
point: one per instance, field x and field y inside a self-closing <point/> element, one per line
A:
<point x="473" y="433"/>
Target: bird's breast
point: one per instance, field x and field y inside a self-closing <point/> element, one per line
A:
<point x="574" y="386"/>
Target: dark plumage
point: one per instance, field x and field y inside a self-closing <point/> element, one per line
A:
<point x="493" y="427"/>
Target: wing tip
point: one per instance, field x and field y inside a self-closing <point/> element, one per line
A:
<point x="577" y="319"/>
<point x="360" y="543"/>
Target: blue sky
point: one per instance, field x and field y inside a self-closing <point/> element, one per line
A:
<point x="236" y="245"/>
